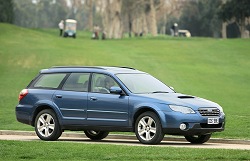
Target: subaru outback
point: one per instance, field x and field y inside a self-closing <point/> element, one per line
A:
<point x="99" y="100"/>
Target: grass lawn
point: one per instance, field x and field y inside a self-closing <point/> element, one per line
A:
<point x="215" y="69"/>
<point x="38" y="150"/>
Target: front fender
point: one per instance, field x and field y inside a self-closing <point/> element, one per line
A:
<point x="157" y="108"/>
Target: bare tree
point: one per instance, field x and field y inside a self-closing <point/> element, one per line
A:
<point x="111" y="18"/>
<point x="142" y="15"/>
<point x="89" y="7"/>
<point x="139" y="17"/>
<point x="166" y="11"/>
<point x="153" y="24"/>
<point x="133" y="16"/>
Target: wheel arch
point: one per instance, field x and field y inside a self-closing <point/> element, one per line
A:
<point x="41" y="107"/>
<point x="142" y="110"/>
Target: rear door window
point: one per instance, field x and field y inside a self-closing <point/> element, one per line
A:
<point x="77" y="82"/>
<point x="49" y="80"/>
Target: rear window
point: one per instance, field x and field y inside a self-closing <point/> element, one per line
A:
<point x="49" y="80"/>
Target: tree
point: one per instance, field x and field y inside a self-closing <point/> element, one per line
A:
<point x="39" y="13"/>
<point x="26" y="13"/>
<point x="200" y="17"/>
<point x="137" y="16"/>
<point x="153" y="24"/>
<point x="236" y="11"/>
<point x="141" y="16"/>
<point x="134" y="20"/>
<point x="6" y="8"/>
<point x="168" y="13"/>
<point x="110" y="11"/>
<point x="89" y="7"/>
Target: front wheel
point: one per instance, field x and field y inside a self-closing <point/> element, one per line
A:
<point x="96" y="135"/>
<point x="47" y="126"/>
<point x="148" y="128"/>
<point x="198" y="139"/>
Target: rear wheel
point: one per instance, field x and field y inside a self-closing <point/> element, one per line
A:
<point x="148" y="128"/>
<point x="198" y="139"/>
<point x="47" y="126"/>
<point x="96" y="135"/>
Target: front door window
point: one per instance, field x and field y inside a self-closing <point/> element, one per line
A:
<point x="101" y="83"/>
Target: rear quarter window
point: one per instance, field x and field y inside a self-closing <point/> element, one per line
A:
<point x="49" y="80"/>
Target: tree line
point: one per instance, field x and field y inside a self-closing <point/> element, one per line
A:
<point x="207" y="18"/>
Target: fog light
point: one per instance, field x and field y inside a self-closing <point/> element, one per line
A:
<point x="183" y="126"/>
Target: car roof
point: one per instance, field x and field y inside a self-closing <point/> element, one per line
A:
<point x="97" y="69"/>
<point x="71" y="20"/>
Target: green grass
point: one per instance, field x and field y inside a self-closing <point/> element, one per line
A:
<point x="37" y="150"/>
<point x="211" y="68"/>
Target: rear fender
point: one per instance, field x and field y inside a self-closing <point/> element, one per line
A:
<point x="45" y="104"/>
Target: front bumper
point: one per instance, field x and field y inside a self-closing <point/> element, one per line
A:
<point x="196" y="129"/>
<point x="195" y="124"/>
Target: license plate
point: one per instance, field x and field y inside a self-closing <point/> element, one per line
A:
<point x="213" y="121"/>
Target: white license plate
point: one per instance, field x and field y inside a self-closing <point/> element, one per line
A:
<point x="213" y="120"/>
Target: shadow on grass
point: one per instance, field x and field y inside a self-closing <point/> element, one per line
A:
<point x="134" y="142"/>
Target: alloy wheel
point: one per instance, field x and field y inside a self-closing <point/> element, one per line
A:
<point x="45" y="125"/>
<point x="146" y="128"/>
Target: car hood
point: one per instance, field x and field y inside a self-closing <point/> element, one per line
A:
<point x="181" y="99"/>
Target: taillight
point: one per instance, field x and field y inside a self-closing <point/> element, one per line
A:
<point x="22" y="94"/>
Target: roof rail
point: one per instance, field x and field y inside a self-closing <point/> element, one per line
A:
<point x="125" y="67"/>
<point x="77" y="67"/>
<point x="95" y="67"/>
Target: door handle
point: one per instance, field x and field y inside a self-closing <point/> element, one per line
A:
<point x="93" y="98"/>
<point x="58" y="96"/>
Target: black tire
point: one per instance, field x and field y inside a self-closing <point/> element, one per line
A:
<point x="148" y="128"/>
<point x="96" y="135"/>
<point x="198" y="139"/>
<point x="47" y="126"/>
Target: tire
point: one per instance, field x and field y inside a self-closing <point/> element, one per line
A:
<point x="148" y="128"/>
<point x="198" y="139"/>
<point x="96" y="135"/>
<point x="47" y="126"/>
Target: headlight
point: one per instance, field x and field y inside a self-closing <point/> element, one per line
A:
<point x="181" y="109"/>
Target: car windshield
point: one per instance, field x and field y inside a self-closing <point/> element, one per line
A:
<point x="143" y="83"/>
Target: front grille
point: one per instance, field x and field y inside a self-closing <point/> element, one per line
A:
<point x="209" y="111"/>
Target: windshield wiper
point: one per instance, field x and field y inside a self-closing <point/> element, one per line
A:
<point x="160" y="92"/>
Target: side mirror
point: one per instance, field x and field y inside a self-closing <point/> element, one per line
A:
<point x="115" y="90"/>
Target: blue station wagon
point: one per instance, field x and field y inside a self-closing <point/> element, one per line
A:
<point x="99" y="100"/>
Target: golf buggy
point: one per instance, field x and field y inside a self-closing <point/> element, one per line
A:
<point x="70" y="28"/>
